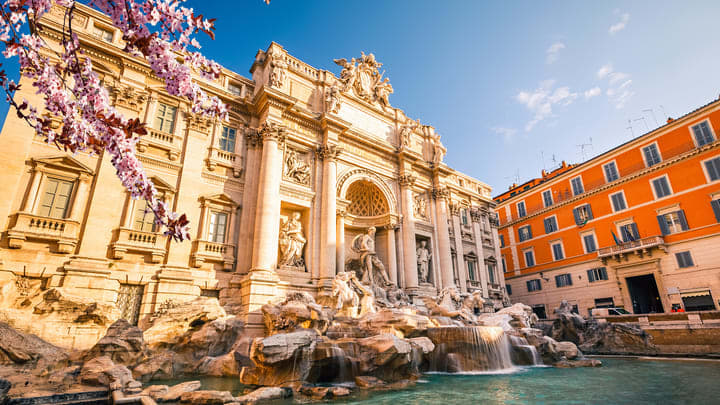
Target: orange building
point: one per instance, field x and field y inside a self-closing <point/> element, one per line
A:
<point x="637" y="227"/>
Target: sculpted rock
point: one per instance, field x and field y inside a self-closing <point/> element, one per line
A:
<point x="521" y="315"/>
<point x="123" y="344"/>
<point x="25" y="349"/>
<point x="155" y="391"/>
<point x="394" y="321"/>
<point x="567" y="349"/>
<point x="616" y="338"/>
<point x="158" y="366"/>
<point x="297" y="311"/>
<point x="175" y="392"/>
<point x="206" y="397"/>
<point x="168" y="326"/>
<point x="280" y="358"/>
<point x="568" y="325"/>
<point x="367" y="381"/>
<point x="283" y="347"/>
<point x="265" y="394"/>
<point x="102" y="371"/>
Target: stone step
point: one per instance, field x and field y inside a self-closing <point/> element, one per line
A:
<point x="74" y="398"/>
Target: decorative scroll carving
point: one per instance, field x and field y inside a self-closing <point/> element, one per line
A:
<point x="328" y="152"/>
<point x="363" y="78"/>
<point x="253" y="139"/>
<point x="292" y="242"/>
<point x="420" y="206"/>
<point x="476" y="215"/>
<point x="454" y="208"/>
<point x="198" y="122"/>
<point x="296" y="169"/>
<point x="332" y="99"/>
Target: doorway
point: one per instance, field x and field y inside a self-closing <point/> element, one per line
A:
<point x="644" y="294"/>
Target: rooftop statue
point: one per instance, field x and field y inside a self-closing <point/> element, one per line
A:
<point x="365" y="80"/>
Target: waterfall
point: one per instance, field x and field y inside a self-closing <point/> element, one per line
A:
<point x="471" y="348"/>
<point x="530" y="352"/>
<point x="339" y="355"/>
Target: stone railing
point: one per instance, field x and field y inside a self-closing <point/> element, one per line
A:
<point x="474" y="285"/>
<point x="162" y="140"/>
<point x="640" y="246"/>
<point x="152" y="243"/>
<point x="206" y="251"/>
<point x="30" y="226"/>
<point x="219" y="157"/>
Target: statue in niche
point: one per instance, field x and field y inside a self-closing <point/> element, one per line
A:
<point x="369" y="262"/>
<point x="420" y="209"/>
<point x="296" y="169"/>
<point x="406" y="131"/>
<point x="292" y="242"/>
<point x="423" y="261"/>
<point x="332" y="99"/>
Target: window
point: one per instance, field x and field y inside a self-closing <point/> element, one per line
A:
<point x="589" y="243"/>
<point x="698" y="301"/>
<point x="464" y="216"/>
<point x="529" y="258"/>
<point x="563" y="280"/>
<point x="629" y="232"/>
<point x="597" y="274"/>
<point x="547" y="198"/>
<point x="165" y="117"/>
<point x="652" y="155"/>
<point x="713" y="168"/>
<point x="534" y="285"/>
<point x="234" y="89"/>
<point x="672" y="222"/>
<point x="608" y="302"/>
<point x="618" y="201"/>
<point x="577" y="185"/>
<point x="557" y="250"/>
<point x="582" y="214"/>
<point x="508" y="288"/>
<point x="521" y="209"/>
<point x="715" y="204"/>
<point x="539" y="310"/>
<point x="502" y="240"/>
<point x="504" y="264"/>
<point x="703" y="134"/>
<point x="550" y="224"/>
<point x="491" y="267"/>
<point x="227" y="139"/>
<point x="471" y="268"/>
<point x="661" y="187"/>
<point x="218" y="222"/>
<point x="105" y="35"/>
<point x="684" y="259"/>
<point x="55" y="198"/>
<point x="144" y="217"/>
<point x="611" y="172"/>
<point x="524" y="233"/>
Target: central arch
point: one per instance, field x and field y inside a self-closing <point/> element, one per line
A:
<point x="365" y="178"/>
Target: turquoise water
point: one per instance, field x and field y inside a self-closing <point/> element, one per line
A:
<point x="618" y="381"/>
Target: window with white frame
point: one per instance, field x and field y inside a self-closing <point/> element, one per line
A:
<point x="547" y="198"/>
<point x="563" y="280"/>
<point x="582" y="214"/>
<point x="234" y="89"/>
<point x="715" y="205"/>
<point x="651" y="155"/>
<point x="661" y="187"/>
<point x="589" y="242"/>
<point x="712" y="167"/>
<point x="55" y="198"/>
<point x="524" y="233"/>
<point x="217" y="227"/>
<point x="521" y="209"/>
<point x="611" y="172"/>
<point x="557" y="251"/>
<point x="618" y="201"/>
<point x="577" y="185"/>
<point x="165" y="117"/>
<point x="104" y="34"/>
<point x="672" y="222"/>
<point x="534" y="285"/>
<point x="550" y="224"/>
<point x="702" y="133"/>
<point x="529" y="258"/>
<point x="227" y="139"/>
<point x="684" y="259"/>
<point x="597" y="274"/>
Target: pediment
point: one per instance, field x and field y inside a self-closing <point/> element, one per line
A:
<point x="221" y="198"/>
<point x="65" y="162"/>
<point x="162" y="184"/>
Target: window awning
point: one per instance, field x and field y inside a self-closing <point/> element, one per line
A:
<point x="695" y="294"/>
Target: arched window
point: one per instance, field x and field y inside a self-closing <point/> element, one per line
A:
<point x="366" y="199"/>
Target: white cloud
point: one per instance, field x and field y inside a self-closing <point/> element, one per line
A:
<point x="553" y="51"/>
<point x="615" y="77"/>
<point x="590" y="93"/>
<point x="541" y="100"/>
<point x="604" y="71"/>
<point x="507" y="133"/>
<point x="620" y="25"/>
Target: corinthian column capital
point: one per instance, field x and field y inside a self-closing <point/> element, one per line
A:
<point x="329" y="152"/>
<point x="406" y="180"/>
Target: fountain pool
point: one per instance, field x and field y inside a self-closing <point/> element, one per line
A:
<point x="618" y="381"/>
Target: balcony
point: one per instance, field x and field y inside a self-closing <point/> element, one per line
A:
<point x="205" y="251"/>
<point x="161" y="140"/>
<point x="130" y="240"/>
<point x="640" y="247"/>
<point x="29" y="226"/>
<point x="219" y="157"/>
<point x="473" y="285"/>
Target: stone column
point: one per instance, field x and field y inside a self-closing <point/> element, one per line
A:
<point x="461" y="271"/>
<point x="253" y="142"/>
<point x="34" y="188"/>
<point x="400" y="257"/>
<point x="328" y="215"/>
<point x="476" y="222"/>
<point x="81" y="196"/>
<point x="391" y="254"/>
<point x="408" y="231"/>
<point x="340" y="243"/>
<point x="441" y="195"/>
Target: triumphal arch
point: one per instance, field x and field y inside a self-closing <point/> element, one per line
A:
<point x="314" y="173"/>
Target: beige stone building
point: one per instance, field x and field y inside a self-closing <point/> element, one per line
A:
<point x="276" y="195"/>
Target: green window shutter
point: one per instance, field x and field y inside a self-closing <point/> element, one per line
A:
<point x="663" y="225"/>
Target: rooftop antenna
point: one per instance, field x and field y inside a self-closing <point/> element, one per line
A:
<point x="516" y="177"/>
<point x="664" y="113"/>
<point x="647" y="129"/>
<point x="542" y="158"/>
<point x="632" y="133"/>
<point x="653" y="115"/>
<point x="583" y="146"/>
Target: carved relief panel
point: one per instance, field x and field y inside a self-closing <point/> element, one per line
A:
<point x="296" y="166"/>
<point x="420" y="206"/>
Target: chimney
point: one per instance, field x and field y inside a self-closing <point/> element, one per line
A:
<point x="544" y="173"/>
<point x="670" y="119"/>
<point x="564" y="164"/>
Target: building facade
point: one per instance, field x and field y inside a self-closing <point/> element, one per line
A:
<point x="277" y="195"/>
<point x="637" y="227"/>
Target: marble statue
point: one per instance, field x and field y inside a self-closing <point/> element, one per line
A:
<point x="438" y="151"/>
<point x="382" y="92"/>
<point x="419" y="206"/>
<point x="365" y="245"/>
<point x="347" y="300"/>
<point x="423" y="260"/>
<point x="296" y="169"/>
<point x="406" y="132"/>
<point x="347" y="76"/>
<point x="292" y="242"/>
<point x="365" y="80"/>
<point x="278" y="73"/>
<point x="332" y="99"/>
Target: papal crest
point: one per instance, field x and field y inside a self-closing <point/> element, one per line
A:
<point x="363" y="78"/>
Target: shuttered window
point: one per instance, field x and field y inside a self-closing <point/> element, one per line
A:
<point x="521" y="209"/>
<point x="577" y="186"/>
<point x="589" y="242"/>
<point x="629" y="232"/>
<point x="529" y="258"/>
<point x="55" y="198"/>
<point x="550" y="225"/>
<point x="218" y="222"/>
<point x="533" y="285"/>
<point x="672" y="222"/>
<point x="547" y="198"/>
<point x="618" y="201"/>
<point x="597" y="274"/>
<point x="611" y="172"/>
<point x="715" y="204"/>
<point x="165" y="117"/>
<point x="563" y="280"/>
<point x="713" y="168"/>
<point x="582" y="214"/>
<point x="684" y="259"/>
<point x="661" y="187"/>
<point x="524" y="233"/>
<point x="703" y="135"/>
<point x="557" y="251"/>
<point x="652" y="155"/>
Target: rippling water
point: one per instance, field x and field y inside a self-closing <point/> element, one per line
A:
<point x="619" y="381"/>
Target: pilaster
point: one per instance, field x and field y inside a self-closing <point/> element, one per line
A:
<point x="410" y="270"/>
<point x="441" y="195"/>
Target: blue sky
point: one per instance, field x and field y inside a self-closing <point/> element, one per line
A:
<point x="503" y="82"/>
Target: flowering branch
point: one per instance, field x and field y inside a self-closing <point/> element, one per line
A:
<point x="161" y="31"/>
